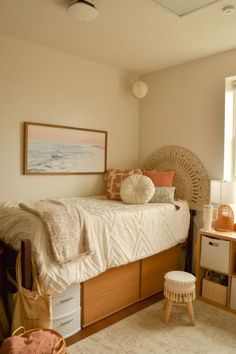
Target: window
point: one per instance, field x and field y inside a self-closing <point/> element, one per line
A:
<point x="230" y="129"/>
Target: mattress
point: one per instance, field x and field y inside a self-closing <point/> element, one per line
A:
<point x="121" y="234"/>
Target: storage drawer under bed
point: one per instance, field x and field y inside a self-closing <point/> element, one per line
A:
<point x="67" y="301"/>
<point x="68" y="324"/>
<point x="66" y="312"/>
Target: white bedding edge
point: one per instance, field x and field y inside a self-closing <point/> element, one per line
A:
<point x="121" y="234"/>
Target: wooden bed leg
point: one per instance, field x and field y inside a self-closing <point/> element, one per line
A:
<point x="26" y="264"/>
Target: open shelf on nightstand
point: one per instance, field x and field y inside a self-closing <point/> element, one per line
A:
<point x="215" y="267"/>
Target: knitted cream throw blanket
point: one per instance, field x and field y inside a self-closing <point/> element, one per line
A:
<point x="67" y="226"/>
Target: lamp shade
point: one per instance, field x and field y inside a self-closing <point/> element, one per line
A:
<point x="223" y="192"/>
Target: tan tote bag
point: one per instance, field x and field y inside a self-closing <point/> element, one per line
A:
<point x="32" y="308"/>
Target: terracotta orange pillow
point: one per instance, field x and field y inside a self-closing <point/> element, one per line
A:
<point x="114" y="178"/>
<point x="160" y="179"/>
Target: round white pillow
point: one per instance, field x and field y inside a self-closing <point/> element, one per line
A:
<point x="137" y="189"/>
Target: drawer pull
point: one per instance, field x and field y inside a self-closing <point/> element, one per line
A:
<point x="215" y="244"/>
<point x="66" y="322"/>
<point x="65" y="300"/>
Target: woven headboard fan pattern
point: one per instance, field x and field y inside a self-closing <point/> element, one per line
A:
<point x="191" y="179"/>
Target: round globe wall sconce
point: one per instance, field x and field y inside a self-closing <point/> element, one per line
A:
<point x="139" y="89"/>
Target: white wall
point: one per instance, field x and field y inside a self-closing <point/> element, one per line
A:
<point x="185" y="106"/>
<point x="38" y="84"/>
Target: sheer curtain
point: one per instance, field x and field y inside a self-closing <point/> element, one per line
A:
<point x="230" y="130"/>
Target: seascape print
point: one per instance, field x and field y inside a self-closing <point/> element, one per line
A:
<point x="65" y="150"/>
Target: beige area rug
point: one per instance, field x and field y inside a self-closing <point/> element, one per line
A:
<point x="145" y="332"/>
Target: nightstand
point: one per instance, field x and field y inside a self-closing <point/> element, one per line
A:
<point x="215" y="268"/>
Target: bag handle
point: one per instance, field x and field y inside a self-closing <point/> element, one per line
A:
<point x="19" y="275"/>
<point x="19" y="329"/>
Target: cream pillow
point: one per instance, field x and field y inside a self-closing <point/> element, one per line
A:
<point x="137" y="189"/>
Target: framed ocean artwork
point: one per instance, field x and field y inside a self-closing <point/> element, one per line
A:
<point x="55" y="149"/>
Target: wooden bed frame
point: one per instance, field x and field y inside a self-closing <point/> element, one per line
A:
<point x="116" y="288"/>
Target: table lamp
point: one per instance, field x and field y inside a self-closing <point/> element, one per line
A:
<point x="223" y="193"/>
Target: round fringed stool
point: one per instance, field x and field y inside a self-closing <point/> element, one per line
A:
<point x="179" y="289"/>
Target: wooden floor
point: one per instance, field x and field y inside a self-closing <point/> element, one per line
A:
<point x="88" y="331"/>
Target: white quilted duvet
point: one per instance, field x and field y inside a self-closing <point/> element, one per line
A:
<point x="121" y="234"/>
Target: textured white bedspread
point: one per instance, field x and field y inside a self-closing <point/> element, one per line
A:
<point x="121" y="234"/>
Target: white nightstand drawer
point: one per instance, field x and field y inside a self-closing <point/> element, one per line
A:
<point x="215" y="254"/>
<point x="233" y="295"/>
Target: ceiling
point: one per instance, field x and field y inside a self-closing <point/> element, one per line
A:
<point x="136" y="35"/>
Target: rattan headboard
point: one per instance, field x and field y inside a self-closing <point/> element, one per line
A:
<point x="191" y="179"/>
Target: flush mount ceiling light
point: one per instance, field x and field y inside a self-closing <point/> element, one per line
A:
<point x="83" y="10"/>
<point x="184" y="7"/>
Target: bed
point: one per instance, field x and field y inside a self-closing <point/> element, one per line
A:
<point x="133" y="245"/>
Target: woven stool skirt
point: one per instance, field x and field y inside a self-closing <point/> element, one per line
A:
<point x="179" y="289"/>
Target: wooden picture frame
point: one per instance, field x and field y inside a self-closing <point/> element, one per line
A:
<point x="59" y="150"/>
